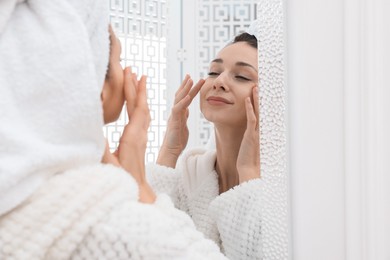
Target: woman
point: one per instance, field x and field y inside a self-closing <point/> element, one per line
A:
<point x="220" y="189"/>
<point x="57" y="201"/>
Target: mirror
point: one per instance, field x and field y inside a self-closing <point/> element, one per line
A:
<point x="167" y="39"/>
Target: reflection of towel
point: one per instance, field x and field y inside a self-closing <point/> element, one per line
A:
<point x="50" y="82"/>
<point x="254" y="29"/>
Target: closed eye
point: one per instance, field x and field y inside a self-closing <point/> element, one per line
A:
<point x="242" y="78"/>
<point x="211" y="73"/>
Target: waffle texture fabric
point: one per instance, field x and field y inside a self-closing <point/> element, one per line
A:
<point x="93" y="213"/>
<point x="232" y="219"/>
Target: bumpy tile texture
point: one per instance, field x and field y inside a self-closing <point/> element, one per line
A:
<point x="273" y="144"/>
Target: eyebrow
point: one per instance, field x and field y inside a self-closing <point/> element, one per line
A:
<point x="239" y="63"/>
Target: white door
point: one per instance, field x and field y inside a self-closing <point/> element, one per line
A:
<point x="339" y="91"/>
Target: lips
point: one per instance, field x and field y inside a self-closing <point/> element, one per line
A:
<point x="214" y="99"/>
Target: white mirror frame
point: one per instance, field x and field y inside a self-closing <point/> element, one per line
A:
<point x="273" y="129"/>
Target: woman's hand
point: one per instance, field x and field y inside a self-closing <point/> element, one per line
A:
<point x="132" y="144"/>
<point x="176" y="136"/>
<point x="130" y="154"/>
<point x="248" y="160"/>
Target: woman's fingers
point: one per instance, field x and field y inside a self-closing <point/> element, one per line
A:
<point x="183" y="83"/>
<point x="250" y="115"/>
<point x="179" y="93"/>
<point x="195" y="90"/>
<point x="129" y="90"/>
<point x="134" y="78"/>
<point x="186" y="100"/>
<point x="182" y="102"/>
<point x="141" y="93"/>
<point x="142" y="102"/>
<point x="184" y="89"/>
<point x="256" y="106"/>
<point x="181" y="105"/>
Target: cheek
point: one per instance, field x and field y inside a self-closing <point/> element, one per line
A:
<point x="244" y="93"/>
<point x="202" y="94"/>
<point x="120" y="85"/>
<point x="202" y="98"/>
<point x="118" y="74"/>
<point x="208" y="84"/>
<point x="203" y="91"/>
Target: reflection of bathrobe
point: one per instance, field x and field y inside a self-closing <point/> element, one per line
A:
<point x="232" y="219"/>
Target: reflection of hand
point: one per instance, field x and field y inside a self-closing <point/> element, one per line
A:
<point x="248" y="160"/>
<point x="130" y="154"/>
<point x="176" y="136"/>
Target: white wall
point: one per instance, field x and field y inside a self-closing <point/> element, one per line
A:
<point x="315" y="86"/>
<point x="338" y="84"/>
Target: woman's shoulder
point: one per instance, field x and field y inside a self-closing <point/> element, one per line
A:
<point x="95" y="176"/>
<point x="67" y="206"/>
<point x="85" y="187"/>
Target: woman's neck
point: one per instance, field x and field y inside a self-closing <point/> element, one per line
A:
<point x="228" y="142"/>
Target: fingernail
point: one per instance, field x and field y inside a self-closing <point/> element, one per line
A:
<point x="128" y="71"/>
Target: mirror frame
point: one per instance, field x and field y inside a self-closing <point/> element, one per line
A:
<point x="273" y="129"/>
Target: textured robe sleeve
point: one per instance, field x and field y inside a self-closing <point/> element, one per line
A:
<point x="237" y="213"/>
<point x="94" y="213"/>
<point x="143" y="231"/>
<point x="232" y="219"/>
<point x="167" y="180"/>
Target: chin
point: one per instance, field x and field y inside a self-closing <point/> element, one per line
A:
<point x="225" y="119"/>
<point x="217" y="118"/>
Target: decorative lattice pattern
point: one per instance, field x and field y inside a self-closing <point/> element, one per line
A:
<point x="218" y="23"/>
<point x="141" y="28"/>
<point x="273" y="143"/>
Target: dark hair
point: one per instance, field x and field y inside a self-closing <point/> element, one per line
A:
<point x="246" y="37"/>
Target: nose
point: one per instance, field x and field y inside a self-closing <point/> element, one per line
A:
<point x="220" y="83"/>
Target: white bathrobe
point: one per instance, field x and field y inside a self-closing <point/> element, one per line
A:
<point x="93" y="213"/>
<point x="56" y="200"/>
<point x="232" y="219"/>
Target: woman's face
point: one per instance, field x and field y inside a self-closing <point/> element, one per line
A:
<point x="232" y="76"/>
<point x="112" y="94"/>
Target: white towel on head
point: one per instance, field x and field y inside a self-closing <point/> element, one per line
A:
<point x="6" y="10"/>
<point x="254" y="29"/>
<point x="53" y="59"/>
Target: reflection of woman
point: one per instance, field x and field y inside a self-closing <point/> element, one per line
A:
<point x="220" y="189"/>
